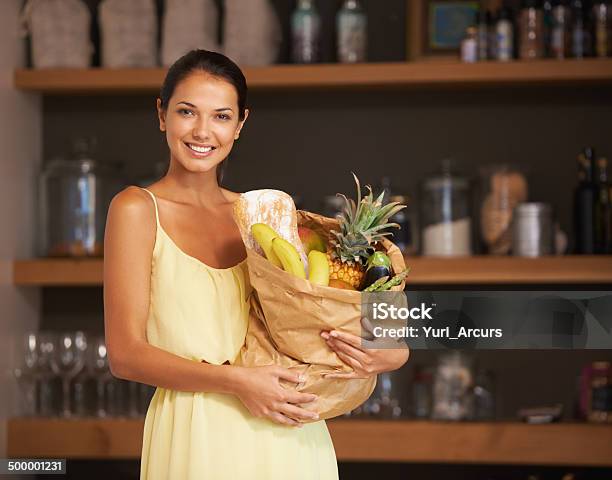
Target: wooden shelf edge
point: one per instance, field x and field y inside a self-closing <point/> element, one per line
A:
<point x="572" y="444"/>
<point x="568" y="269"/>
<point x="488" y="269"/>
<point x="58" y="272"/>
<point x="365" y="75"/>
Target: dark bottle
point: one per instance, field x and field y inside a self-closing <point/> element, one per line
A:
<point x="584" y="204"/>
<point x="547" y="20"/>
<point x="602" y="214"/>
<point x="580" y="33"/>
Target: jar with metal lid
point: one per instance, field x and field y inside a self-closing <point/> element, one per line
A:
<point x="532" y="230"/>
<point x="446" y="214"/>
<point x="74" y="198"/>
<point x="453" y="385"/>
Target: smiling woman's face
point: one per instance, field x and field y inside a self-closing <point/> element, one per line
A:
<point x="201" y="122"/>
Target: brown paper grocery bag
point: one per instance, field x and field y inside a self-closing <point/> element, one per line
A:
<point x="286" y="318"/>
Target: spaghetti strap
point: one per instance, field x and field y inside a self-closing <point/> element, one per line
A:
<point x="154" y="203"/>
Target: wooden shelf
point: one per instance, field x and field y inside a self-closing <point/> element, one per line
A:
<point x="326" y="76"/>
<point x="58" y="272"/>
<point x="569" y="269"/>
<point x="488" y="269"/>
<point x="354" y="440"/>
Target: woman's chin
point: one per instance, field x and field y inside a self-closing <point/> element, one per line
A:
<point x="199" y="166"/>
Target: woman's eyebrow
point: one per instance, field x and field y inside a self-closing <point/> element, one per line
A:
<point x="216" y="110"/>
<point x="188" y="104"/>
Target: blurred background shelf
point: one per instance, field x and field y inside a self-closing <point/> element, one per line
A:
<point x="354" y="440"/>
<point x="366" y="75"/>
<point x="569" y="269"/>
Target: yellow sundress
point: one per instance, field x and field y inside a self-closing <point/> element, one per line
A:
<point x="201" y="313"/>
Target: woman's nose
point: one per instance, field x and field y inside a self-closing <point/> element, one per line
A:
<point x="200" y="129"/>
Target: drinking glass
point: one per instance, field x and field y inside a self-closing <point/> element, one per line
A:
<point x="97" y="365"/>
<point x="44" y="373"/>
<point x="26" y="372"/>
<point x="67" y="360"/>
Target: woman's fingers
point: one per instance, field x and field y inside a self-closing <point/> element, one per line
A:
<point x="358" y="342"/>
<point x="297" y="413"/>
<point x="289" y="375"/>
<point x="284" y="420"/>
<point x="340" y="346"/>
<point x="298" y="398"/>
<point x="349" y="360"/>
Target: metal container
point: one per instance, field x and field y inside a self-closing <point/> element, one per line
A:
<point x="532" y="230"/>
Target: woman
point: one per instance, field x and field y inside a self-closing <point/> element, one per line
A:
<point x="176" y="305"/>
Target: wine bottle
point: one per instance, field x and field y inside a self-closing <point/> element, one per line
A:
<point x="584" y="204"/>
<point x="602" y="213"/>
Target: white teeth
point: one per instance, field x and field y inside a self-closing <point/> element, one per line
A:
<point x="200" y="149"/>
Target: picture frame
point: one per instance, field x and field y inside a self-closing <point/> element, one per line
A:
<point x="435" y="27"/>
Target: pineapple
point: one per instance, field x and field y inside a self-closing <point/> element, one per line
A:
<point x="361" y="227"/>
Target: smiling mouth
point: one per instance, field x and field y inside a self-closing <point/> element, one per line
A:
<point x="199" y="149"/>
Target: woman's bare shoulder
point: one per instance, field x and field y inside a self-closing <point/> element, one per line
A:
<point x="133" y="199"/>
<point x="133" y="206"/>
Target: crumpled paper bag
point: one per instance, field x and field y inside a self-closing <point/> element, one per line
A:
<point x="286" y="318"/>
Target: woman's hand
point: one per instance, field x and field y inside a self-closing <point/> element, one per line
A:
<point x="259" y="389"/>
<point x="362" y="355"/>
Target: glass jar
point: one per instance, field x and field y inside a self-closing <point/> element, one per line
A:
<point x="446" y="217"/>
<point x="74" y="198"/>
<point x="453" y="387"/>
<point x="503" y="188"/>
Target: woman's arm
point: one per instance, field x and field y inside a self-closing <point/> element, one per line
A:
<point x="128" y="248"/>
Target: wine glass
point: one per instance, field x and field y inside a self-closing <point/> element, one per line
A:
<point x="97" y="365"/>
<point x="44" y="372"/>
<point x="26" y="371"/>
<point x="67" y="360"/>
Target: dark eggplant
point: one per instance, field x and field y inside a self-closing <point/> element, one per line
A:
<point x="373" y="274"/>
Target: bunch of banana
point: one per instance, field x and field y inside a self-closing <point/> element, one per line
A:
<point x="263" y="235"/>
<point x="284" y="255"/>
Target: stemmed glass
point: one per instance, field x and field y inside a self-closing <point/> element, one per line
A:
<point x="67" y="360"/>
<point x="26" y="371"/>
<point x="98" y="368"/>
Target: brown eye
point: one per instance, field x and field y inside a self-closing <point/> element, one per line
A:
<point x="184" y="111"/>
<point x="224" y="116"/>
